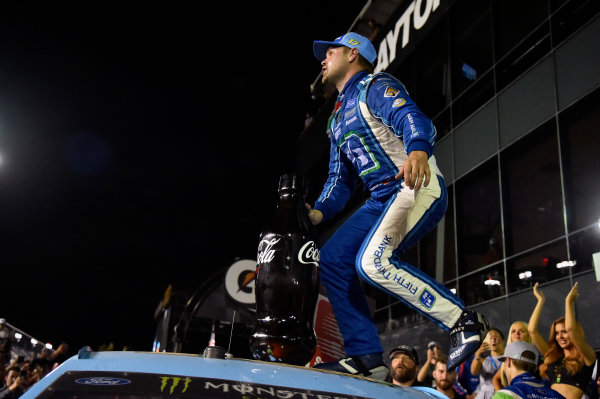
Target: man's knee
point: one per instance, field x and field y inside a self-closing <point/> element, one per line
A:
<point x="371" y="263"/>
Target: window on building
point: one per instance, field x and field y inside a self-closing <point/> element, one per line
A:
<point x="579" y="127"/>
<point x="452" y="287"/>
<point x="583" y="246"/>
<point x="470" y="42"/>
<point x="568" y="16"/>
<point x="536" y="266"/>
<point x="514" y="20"/>
<point x="443" y="123"/>
<point x="428" y="252"/>
<point x="531" y="190"/>
<point x="524" y="55"/>
<point x="482" y="286"/>
<point x="433" y="83"/>
<point x="479" y="232"/>
<point x="449" y="237"/>
<point x="473" y="98"/>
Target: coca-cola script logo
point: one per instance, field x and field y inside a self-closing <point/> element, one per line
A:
<point x="309" y="254"/>
<point x="266" y="253"/>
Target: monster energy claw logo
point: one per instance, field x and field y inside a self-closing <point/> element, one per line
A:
<point x="174" y="382"/>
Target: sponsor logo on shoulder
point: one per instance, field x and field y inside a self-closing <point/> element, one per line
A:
<point x="349" y="121"/>
<point x="398" y="102"/>
<point x="391" y="92"/>
<point x="103" y="381"/>
<point x="351" y="103"/>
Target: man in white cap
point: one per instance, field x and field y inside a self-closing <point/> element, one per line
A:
<point x="380" y="136"/>
<point x="520" y="361"/>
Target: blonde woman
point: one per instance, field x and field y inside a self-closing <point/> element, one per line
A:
<point x="517" y="332"/>
<point x="568" y="358"/>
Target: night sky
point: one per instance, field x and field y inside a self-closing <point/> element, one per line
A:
<point x="141" y="147"/>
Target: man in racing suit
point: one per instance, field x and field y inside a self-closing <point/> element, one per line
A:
<point x="520" y="361"/>
<point x="379" y="135"/>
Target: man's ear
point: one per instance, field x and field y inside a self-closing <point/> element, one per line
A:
<point x="353" y="54"/>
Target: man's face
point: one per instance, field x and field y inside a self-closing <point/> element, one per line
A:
<point x="334" y="65"/>
<point x="443" y="379"/>
<point x="404" y="369"/>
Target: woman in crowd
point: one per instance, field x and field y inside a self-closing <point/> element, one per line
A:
<point x="517" y="332"/>
<point x="568" y="358"/>
<point x="486" y="363"/>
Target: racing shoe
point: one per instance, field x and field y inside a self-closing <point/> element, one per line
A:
<point x="371" y="366"/>
<point x="466" y="337"/>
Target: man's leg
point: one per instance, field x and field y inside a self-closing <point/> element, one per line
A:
<point x="338" y="274"/>
<point x="407" y="218"/>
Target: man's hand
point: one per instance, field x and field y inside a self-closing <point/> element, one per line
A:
<point x="415" y="170"/>
<point x="314" y="215"/>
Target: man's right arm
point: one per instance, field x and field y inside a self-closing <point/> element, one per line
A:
<point x="338" y="188"/>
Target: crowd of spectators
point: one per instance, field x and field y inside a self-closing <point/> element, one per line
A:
<point x="22" y="363"/>
<point x="565" y="365"/>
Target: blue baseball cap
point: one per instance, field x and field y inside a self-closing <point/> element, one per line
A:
<point x="350" y="40"/>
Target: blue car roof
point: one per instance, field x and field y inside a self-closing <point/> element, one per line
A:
<point x="146" y="374"/>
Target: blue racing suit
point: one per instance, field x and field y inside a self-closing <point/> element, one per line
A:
<point x="526" y="386"/>
<point x="373" y="129"/>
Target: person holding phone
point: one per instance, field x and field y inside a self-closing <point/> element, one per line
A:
<point x="14" y="384"/>
<point x="487" y="363"/>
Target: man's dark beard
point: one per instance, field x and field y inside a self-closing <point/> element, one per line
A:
<point x="404" y="374"/>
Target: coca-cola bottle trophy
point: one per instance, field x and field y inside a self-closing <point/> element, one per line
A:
<point x="287" y="282"/>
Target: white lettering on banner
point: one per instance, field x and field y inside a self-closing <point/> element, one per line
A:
<point x="208" y="385"/>
<point x="243" y="388"/>
<point x="390" y="41"/>
<point x="266" y="253"/>
<point x="309" y="254"/>
<point x="251" y="390"/>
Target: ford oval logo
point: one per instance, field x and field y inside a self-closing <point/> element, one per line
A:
<point x="102" y="381"/>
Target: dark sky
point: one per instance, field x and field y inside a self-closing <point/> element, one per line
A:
<point x="141" y="147"/>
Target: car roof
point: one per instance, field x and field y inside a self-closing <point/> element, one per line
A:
<point x="151" y="373"/>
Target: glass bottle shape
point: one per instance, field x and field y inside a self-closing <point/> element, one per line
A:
<point x="287" y="282"/>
